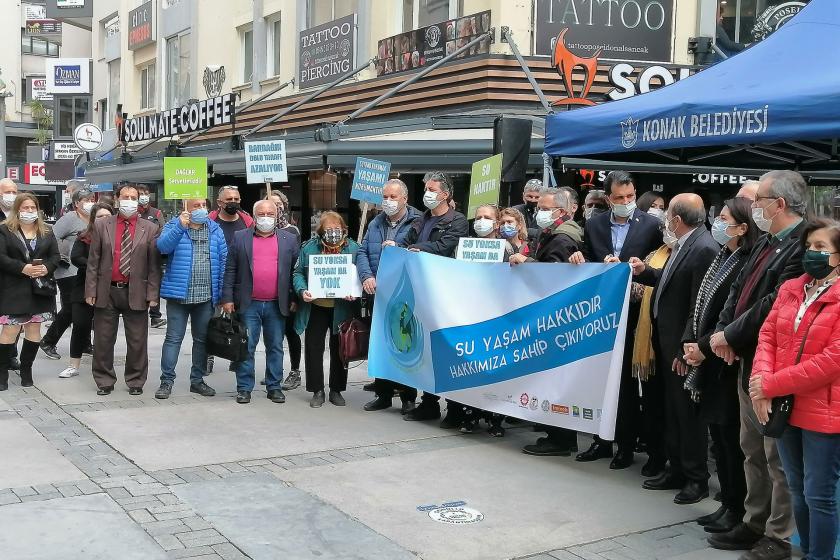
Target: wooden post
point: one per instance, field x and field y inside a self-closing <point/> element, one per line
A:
<point x="268" y="191"/>
<point x="365" y="206"/>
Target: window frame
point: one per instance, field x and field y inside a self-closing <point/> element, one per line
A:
<point x="31" y="39"/>
<point x="273" y="70"/>
<point x="243" y="32"/>
<point x="168" y="84"/>
<point x="74" y="98"/>
<point x="150" y="94"/>
<point x="455" y="6"/>
<point x="309" y="15"/>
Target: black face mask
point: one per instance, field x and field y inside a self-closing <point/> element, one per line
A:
<point x="232" y="208"/>
<point x="530" y="205"/>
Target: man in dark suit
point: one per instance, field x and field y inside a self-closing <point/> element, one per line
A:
<point x="623" y="232"/>
<point x="123" y="278"/>
<point x="258" y="284"/>
<point x="675" y="290"/>
<point x="778" y="209"/>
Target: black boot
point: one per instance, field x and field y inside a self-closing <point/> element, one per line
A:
<point x="27" y="357"/>
<point x="5" y="352"/>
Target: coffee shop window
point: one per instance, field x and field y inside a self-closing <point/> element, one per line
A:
<point x="322" y="11"/>
<point x="420" y="13"/>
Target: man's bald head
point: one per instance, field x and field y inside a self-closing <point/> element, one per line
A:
<point x="748" y="190"/>
<point x="689" y="208"/>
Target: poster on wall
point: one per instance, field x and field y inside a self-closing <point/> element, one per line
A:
<point x="326" y="52"/>
<point x="427" y="45"/>
<point x="617" y="30"/>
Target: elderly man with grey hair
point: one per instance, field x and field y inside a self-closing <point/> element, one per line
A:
<point x="258" y="285"/>
<point x="530" y="197"/>
<point x="8" y="195"/>
<point x="70" y="187"/>
<point x="779" y="207"/>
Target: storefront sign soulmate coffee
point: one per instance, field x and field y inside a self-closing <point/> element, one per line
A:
<point x="183" y="120"/>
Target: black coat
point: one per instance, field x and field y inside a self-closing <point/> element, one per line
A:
<point x="784" y="264"/>
<point x="644" y="237"/>
<point x="445" y="235"/>
<point x="79" y="257"/>
<point x="718" y="381"/>
<point x="17" y="297"/>
<point x="678" y="293"/>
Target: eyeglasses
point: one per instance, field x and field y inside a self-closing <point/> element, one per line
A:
<point x="757" y="198"/>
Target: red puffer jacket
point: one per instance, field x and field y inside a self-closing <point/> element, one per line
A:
<point x="815" y="380"/>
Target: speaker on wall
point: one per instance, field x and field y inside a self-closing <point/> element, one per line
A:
<point x="512" y="139"/>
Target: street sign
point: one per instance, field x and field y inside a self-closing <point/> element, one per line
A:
<point x="88" y="137"/>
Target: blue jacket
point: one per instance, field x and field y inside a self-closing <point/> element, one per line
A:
<point x="174" y="241"/>
<point x="367" y="261"/>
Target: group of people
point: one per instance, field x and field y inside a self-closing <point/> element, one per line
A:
<point x="722" y="320"/>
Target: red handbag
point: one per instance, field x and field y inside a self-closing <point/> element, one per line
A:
<point x="353" y="339"/>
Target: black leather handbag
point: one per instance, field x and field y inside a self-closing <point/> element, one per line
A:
<point x="227" y="337"/>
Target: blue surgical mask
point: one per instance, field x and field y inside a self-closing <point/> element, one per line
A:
<point x="719" y="233"/>
<point x="199" y="216"/>
<point x="508" y="231"/>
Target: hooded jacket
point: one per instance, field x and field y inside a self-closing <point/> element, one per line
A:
<point x="558" y="243"/>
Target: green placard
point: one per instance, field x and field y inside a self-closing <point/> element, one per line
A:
<point x="484" y="183"/>
<point x="184" y="178"/>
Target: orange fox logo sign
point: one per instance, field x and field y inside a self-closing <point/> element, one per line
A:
<point x="566" y="61"/>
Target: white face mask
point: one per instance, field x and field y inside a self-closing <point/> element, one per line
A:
<point x="669" y="238"/>
<point x="143" y="199"/>
<point x="9" y="199"/>
<point x="624" y="210"/>
<point x="657" y="213"/>
<point x="266" y="224"/>
<point x="430" y="200"/>
<point x="764" y="224"/>
<point x="128" y="208"/>
<point x="390" y="207"/>
<point x="87" y="207"/>
<point x="483" y="226"/>
<point x="27" y="217"/>
<point x="544" y="218"/>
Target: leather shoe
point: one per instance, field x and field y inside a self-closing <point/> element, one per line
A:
<point x="726" y="522"/>
<point x="547" y="448"/>
<point x="105" y="390"/>
<point x="598" y="450"/>
<point x="712" y="517"/>
<point x="317" y="400"/>
<point x="407" y="406"/>
<point x="203" y="389"/>
<point x="423" y="412"/>
<point x="276" y="396"/>
<point x="741" y="537"/>
<point x="665" y="482"/>
<point x="243" y="397"/>
<point x="337" y="399"/>
<point x="654" y="467"/>
<point x="379" y="403"/>
<point x="134" y="391"/>
<point x="371" y="387"/>
<point x="622" y="460"/>
<point x="692" y="492"/>
<point x="769" y="548"/>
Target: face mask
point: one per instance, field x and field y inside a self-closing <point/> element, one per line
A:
<point x="483" y="227"/>
<point x="266" y="224"/>
<point x="143" y="199"/>
<point x="430" y="200"/>
<point x="668" y="230"/>
<point x="9" y="199"/>
<point x="87" y="207"/>
<point x="391" y="207"/>
<point x="719" y="234"/>
<point x="282" y="219"/>
<point x="761" y="222"/>
<point x="530" y="205"/>
<point x="508" y="231"/>
<point x="544" y="219"/>
<point x="128" y="208"/>
<point x="27" y="217"/>
<point x="199" y="216"/>
<point x="232" y="208"/>
<point x="657" y="213"/>
<point x="816" y="264"/>
<point x="333" y="236"/>
<point x="669" y="238"/>
<point x="624" y="210"/>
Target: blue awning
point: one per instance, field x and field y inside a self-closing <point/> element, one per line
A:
<point x="784" y="89"/>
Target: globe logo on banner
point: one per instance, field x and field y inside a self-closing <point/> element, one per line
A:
<point x="629" y="132"/>
<point x="402" y="328"/>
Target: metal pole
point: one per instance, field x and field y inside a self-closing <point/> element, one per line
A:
<point x="418" y="76"/>
<point x="507" y="34"/>
<point x="308" y="98"/>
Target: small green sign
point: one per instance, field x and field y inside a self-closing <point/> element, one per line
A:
<point x="184" y="178"/>
<point x="484" y="183"/>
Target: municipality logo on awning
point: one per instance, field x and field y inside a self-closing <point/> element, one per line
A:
<point x="735" y="123"/>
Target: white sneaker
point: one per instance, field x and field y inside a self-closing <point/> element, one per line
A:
<point x="69" y="372"/>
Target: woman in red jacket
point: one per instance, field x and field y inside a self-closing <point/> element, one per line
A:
<point x="806" y="318"/>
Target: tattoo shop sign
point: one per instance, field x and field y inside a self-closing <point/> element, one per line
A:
<point x="333" y="276"/>
<point x="326" y="52"/>
<point x="187" y="119"/>
<point x="265" y="162"/>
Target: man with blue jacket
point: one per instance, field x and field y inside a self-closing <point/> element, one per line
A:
<point x="192" y="287"/>
<point x="388" y="228"/>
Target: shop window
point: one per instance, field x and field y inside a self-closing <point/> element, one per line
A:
<point x="322" y="11"/>
<point x="246" y="48"/>
<point x="72" y="111"/>
<point x="38" y="46"/>
<point x="178" y="87"/>
<point x="420" y="13"/>
<point x="147" y="87"/>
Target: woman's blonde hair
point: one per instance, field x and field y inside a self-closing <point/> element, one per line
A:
<point x="13" y="223"/>
<point x="522" y="228"/>
<point x="327" y="216"/>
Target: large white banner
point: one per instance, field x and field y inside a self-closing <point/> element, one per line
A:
<point x="542" y="342"/>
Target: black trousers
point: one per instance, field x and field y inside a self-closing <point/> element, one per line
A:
<point x="384" y="388"/>
<point x="64" y="318"/>
<point x="653" y="416"/>
<point x="293" y="340"/>
<point x="82" y="325"/>
<point x="320" y="321"/>
<point x="729" y="459"/>
<point x="685" y="432"/>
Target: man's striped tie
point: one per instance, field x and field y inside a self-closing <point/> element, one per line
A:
<point x="126" y="248"/>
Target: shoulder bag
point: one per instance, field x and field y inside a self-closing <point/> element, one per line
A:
<point x="227" y="337"/>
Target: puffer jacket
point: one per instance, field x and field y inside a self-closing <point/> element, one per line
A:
<point x="815" y="380"/>
<point x="174" y="241"/>
<point x="371" y="249"/>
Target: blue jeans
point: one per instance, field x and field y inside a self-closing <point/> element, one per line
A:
<point x="265" y="316"/>
<point x="812" y="466"/>
<point x="199" y="315"/>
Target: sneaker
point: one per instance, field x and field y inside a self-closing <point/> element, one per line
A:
<point x="203" y="389"/>
<point x="164" y="391"/>
<point x="158" y="323"/>
<point x="50" y="351"/>
<point x="69" y="372"/>
<point x="292" y="381"/>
